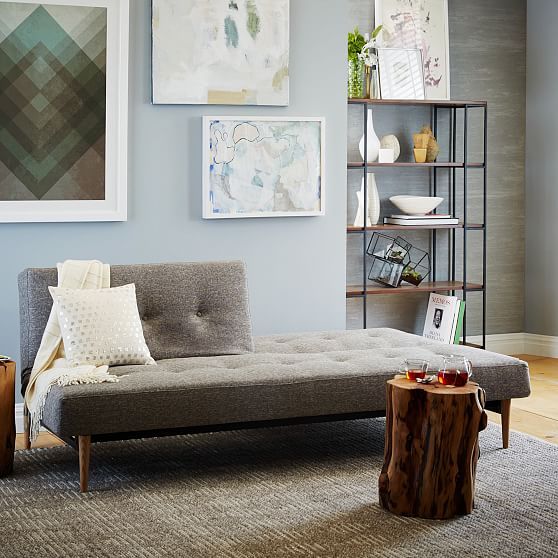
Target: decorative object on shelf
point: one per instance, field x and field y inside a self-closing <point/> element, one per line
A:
<point x="421" y="24"/>
<point x="420" y="154"/>
<point x="263" y="167"/>
<point x="418" y="267"/>
<point x="63" y="108"/>
<point x="432" y="148"/>
<point x="220" y="53"/>
<point x="444" y="319"/>
<point x="372" y="200"/>
<point x="396" y="260"/>
<point x="373" y="142"/>
<point x="390" y="256"/>
<point x="369" y="57"/>
<point x="386" y="156"/>
<point x="401" y="73"/>
<point x="355" y="64"/>
<point x="391" y="142"/>
<point x="416" y="205"/>
<point x="420" y="142"/>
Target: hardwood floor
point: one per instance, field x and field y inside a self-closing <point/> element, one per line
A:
<point x="536" y="415"/>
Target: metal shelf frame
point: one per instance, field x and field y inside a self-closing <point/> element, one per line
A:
<point x="451" y="110"/>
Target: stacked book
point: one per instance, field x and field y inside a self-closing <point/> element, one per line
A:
<point x="418" y="220"/>
<point x="444" y="319"/>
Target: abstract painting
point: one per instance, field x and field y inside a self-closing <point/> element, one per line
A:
<point x="264" y="167"/>
<point x="57" y="162"/>
<point x="226" y="52"/>
<point x="420" y="24"/>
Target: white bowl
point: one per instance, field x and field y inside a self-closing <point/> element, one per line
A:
<point x="416" y="205"/>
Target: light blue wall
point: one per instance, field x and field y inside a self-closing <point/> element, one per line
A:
<point x="541" y="293"/>
<point x="296" y="266"/>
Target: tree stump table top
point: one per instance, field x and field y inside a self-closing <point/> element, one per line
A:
<point x="431" y="448"/>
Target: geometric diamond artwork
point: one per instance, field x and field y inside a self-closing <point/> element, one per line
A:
<point x="53" y="61"/>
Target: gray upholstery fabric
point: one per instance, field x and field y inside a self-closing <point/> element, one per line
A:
<point x="288" y="376"/>
<point x="187" y="309"/>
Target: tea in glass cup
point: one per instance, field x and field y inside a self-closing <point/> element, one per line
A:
<point x="415" y="369"/>
<point x="455" y="371"/>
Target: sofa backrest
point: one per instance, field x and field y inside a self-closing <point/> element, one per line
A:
<point x="187" y="309"/>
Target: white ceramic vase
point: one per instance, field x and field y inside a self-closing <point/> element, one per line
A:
<point x="373" y="142"/>
<point x="373" y="202"/>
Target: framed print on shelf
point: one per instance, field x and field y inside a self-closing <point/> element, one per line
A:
<point x="401" y="73"/>
<point x="263" y="167"/>
<point x="421" y="24"/>
<point x="63" y="110"/>
<point x="220" y="53"/>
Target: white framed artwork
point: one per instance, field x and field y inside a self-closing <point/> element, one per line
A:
<point x="263" y="167"/>
<point x="63" y="148"/>
<point x="231" y="52"/>
<point x="401" y="73"/>
<point x="421" y="24"/>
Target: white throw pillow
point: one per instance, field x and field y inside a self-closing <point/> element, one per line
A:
<point x="101" y="326"/>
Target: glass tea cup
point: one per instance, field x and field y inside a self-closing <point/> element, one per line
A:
<point x="455" y="371"/>
<point x="415" y="369"/>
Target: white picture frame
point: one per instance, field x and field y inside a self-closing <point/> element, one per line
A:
<point x="401" y="73"/>
<point x="209" y="210"/>
<point x="220" y="53"/>
<point x="426" y="28"/>
<point x="114" y="206"/>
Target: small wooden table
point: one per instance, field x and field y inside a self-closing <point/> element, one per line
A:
<point x="7" y="417"/>
<point x="431" y="449"/>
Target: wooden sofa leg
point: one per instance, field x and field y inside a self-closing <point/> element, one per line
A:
<point x="84" y="449"/>
<point x="26" y="428"/>
<point x="505" y="411"/>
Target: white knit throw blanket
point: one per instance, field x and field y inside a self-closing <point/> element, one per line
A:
<point x="50" y="366"/>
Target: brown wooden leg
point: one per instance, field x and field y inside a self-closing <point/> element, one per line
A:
<point x="506" y="411"/>
<point x="84" y="448"/>
<point x="26" y="428"/>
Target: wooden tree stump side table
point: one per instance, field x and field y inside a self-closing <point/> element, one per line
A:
<point x="7" y="417"/>
<point x="431" y="449"/>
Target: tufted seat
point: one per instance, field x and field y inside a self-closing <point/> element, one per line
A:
<point x="296" y="375"/>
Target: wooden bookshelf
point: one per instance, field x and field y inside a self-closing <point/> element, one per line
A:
<point x="356" y="291"/>
<point x="419" y="103"/>
<point x="438" y="165"/>
<point x="470" y="226"/>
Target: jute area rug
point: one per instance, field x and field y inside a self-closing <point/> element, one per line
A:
<point x="305" y="491"/>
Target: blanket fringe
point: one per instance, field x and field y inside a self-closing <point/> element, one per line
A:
<point x="93" y="377"/>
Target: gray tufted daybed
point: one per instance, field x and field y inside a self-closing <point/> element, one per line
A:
<point x="211" y="375"/>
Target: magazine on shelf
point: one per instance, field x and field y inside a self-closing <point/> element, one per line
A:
<point x="420" y="222"/>
<point x="442" y="318"/>
<point x="428" y="216"/>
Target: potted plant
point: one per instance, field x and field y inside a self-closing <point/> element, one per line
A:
<point x="370" y="59"/>
<point x="355" y="45"/>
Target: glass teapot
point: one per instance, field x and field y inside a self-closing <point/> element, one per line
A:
<point x="455" y="371"/>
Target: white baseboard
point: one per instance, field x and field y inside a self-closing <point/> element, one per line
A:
<point x="19" y="417"/>
<point x="541" y="345"/>
<point x="503" y="343"/>
<point x="520" y="344"/>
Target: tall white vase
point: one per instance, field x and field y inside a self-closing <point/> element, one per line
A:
<point x="373" y="141"/>
<point x="373" y="202"/>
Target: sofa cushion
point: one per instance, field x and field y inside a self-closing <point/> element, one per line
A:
<point x="187" y="309"/>
<point x="295" y="375"/>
